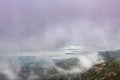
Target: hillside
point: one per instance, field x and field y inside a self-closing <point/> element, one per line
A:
<point x="109" y="70"/>
<point x="35" y="68"/>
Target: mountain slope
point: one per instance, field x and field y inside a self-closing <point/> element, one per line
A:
<point x="109" y="70"/>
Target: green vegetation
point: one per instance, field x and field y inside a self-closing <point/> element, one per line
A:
<point x="109" y="70"/>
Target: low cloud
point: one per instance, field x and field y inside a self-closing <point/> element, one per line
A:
<point x="27" y="26"/>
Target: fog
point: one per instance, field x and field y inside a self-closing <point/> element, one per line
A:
<point x="30" y="26"/>
<point x="43" y="27"/>
<point x="22" y="67"/>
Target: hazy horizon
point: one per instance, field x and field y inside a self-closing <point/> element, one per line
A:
<point x="43" y="25"/>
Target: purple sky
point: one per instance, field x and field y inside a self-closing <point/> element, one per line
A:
<point x="33" y="25"/>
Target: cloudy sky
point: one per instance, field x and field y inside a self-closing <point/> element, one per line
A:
<point x="35" y="25"/>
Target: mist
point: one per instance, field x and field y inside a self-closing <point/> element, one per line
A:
<point x="24" y="67"/>
<point x="32" y="26"/>
<point x="42" y="28"/>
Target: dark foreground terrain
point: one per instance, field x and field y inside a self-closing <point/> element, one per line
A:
<point x="109" y="70"/>
<point x="28" y="68"/>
